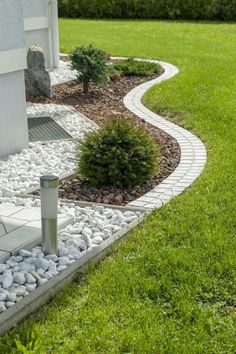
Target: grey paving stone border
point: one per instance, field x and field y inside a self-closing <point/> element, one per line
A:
<point x="193" y="151"/>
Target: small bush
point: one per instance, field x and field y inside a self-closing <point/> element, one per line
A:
<point x="131" y="67"/>
<point x="223" y="10"/>
<point x="90" y="64"/>
<point x="118" y="154"/>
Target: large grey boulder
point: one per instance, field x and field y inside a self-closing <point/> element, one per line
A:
<point x="37" y="78"/>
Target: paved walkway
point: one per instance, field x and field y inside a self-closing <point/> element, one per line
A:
<point x="21" y="228"/>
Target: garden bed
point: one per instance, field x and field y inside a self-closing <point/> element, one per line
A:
<point x="100" y="104"/>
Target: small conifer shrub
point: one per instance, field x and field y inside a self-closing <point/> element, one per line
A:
<point x="90" y="64"/>
<point x="118" y="154"/>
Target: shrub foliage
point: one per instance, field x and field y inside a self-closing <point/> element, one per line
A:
<point x="117" y="154"/>
<point x="90" y="64"/>
<point x="157" y="9"/>
<point x="131" y="67"/>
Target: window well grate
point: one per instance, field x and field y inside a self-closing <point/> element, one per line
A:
<point x="46" y="129"/>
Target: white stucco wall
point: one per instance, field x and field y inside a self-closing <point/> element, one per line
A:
<point x="10" y="37"/>
<point x="38" y="27"/>
<point x="34" y="8"/>
<point x="13" y="121"/>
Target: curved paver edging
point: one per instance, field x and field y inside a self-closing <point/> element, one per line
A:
<point x="193" y="151"/>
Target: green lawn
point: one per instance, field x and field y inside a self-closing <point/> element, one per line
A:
<point x="170" y="286"/>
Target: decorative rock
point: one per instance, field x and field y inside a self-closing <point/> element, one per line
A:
<point x="2" y="268"/>
<point x="30" y="278"/>
<point x="40" y="273"/>
<point x="2" y="306"/>
<point x="52" y="267"/>
<point x="11" y="264"/>
<point x="14" y="259"/>
<point x="64" y="261"/>
<point x="7" y="281"/>
<point x="63" y="251"/>
<point x="25" y="253"/>
<point x="48" y="275"/>
<point x="37" y="78"/>
<point x="71" y="243"/>
<point x="97" y="240"/>
<point x="18" y="298"/>
<point x="30" y="287"/>
<point x="99" y="234"/>
<point x="2" y="297"/>
<point x="108" y="214"/>
<point x="65" y="236"/>
<point x="74" y="253"/>
<point x="20" y="291"/>
<point x="129" y="214"/>
<point x="19" y="277"/>
<point x="82" y="245"/>
<point x="42" y="263"/>
<point x="87" y="232"/>
<point x="61" y="268"/>
<point x="52" y="257"/>
<point x="116" y="228"/>
<point x="11" y="297"/>
<point x="42" y="281"/>
<point x="26" y="267"/>
<point x="7" y="193"/>
<point x="9" y="304"/>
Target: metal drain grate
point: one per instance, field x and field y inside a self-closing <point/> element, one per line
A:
<point x="46" y="129"/>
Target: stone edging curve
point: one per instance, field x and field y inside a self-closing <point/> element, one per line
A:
<point x="193" y="151"/>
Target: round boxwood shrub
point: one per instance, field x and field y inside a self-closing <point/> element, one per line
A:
<point x="118" y="154"/>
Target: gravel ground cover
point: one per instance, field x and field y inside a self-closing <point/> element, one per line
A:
<point x="62" y="74"/>
<point x="19" y="172"/>
<point x="21" y="274"/>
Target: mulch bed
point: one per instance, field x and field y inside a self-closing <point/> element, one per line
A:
<point x="100" y="104"/>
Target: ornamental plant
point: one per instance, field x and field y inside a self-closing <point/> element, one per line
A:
<point x="90" y="64"/>
<point x="131" y="67"/>
<point x="118" y="154"/>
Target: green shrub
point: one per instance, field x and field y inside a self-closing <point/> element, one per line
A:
<point x="117" y="154"/>
<point x="90" y="64"/>
<point x="150" y="9"/>
<point x="131" y="67"/>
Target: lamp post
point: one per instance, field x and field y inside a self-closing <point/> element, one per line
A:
<point x="49" y="205"/>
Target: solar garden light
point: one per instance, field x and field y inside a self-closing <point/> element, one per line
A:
<point x="49" y="204"/>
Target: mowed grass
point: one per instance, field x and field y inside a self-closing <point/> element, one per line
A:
<point x="170" y="286"/>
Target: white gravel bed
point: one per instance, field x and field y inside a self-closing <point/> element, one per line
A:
<point x="23" y="273"/>
<point x="62" y="74"/>
<point x="19" y="172"/>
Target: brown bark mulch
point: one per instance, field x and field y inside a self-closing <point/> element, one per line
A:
<point x="100" y="104"/>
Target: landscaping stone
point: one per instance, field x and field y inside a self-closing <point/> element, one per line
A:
<point x="30" y="287"/>
<point x="37" y="78"/>
<point x="2" y="306"/>
<point x="2" y="297"/>
<point x="25" y="253"/>
<point x="30" y="278"/>
<point x="6" y="280"/>
<point x="19" y="277"/>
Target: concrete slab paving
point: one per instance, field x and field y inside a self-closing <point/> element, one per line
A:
<point x="21" y="228"/>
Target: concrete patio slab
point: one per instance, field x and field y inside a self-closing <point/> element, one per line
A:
<point x="21" y="228"/>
